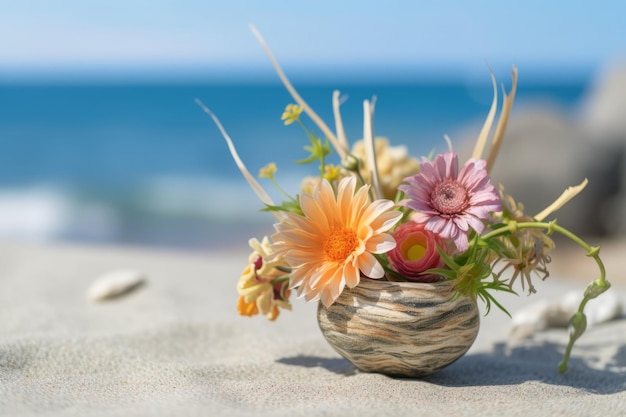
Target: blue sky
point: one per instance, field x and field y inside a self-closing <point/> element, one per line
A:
<point x="158" y="38"/>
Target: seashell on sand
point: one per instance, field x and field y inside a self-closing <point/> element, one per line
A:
<point x="543" y="315"/>
<point x="115" y="283"/>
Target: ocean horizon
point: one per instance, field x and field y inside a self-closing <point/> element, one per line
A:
<point x="143" y="165"/>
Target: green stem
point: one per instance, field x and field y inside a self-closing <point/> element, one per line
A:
<point x="322" y="164"/>
<point x="280" y="189"/>
<point x="306" y="131"/>
<point x="284" y="269"/>
<point x="362" y="180"/>
<point x="552" y="227"/>
<point x="282" y="278"/>
<point x="309" y="134"/>
<point x="578" y="322"/>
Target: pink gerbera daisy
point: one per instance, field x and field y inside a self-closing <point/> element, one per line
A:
<point x="451" y="202"/>
<point x="334" y="241"/>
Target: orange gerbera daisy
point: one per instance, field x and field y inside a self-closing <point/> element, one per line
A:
<point x="334" y="241"/>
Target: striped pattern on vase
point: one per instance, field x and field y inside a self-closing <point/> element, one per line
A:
<point x="400" y="328"/>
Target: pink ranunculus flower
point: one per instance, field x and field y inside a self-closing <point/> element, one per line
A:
<point x="415" y="252"/>
<point x="451" y="202"/>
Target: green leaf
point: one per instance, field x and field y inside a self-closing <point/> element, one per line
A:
<point x="289" y="206"/>
<point x="448" y="273"/>
<point x="447" y="259"/>
<point x="488" y="298"/>
<point x="317" y="151"/>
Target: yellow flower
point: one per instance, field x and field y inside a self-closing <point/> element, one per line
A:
<point x="308" y="184"/>
<point x="268" y="171"/>
<point x="331" y="173"/>
<point x="251" y="309"/>
<point x="259" y="291"/>
<point x="247" y="309"/>
<point x="291" y="113"/>
<point x="334" y="242"/>
<point x="394" y="164"/>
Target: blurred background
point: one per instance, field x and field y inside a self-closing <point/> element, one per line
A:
<point x="101" y="141"/>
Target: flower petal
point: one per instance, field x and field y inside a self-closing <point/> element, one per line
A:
<point x="356" y="228"/>
<point x="382" y="243"/>
<point x="370" y="266"/>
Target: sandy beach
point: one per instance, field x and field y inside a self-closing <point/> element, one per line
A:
<point x="176" y="346"/>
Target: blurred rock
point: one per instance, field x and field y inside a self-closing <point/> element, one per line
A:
<point x="546" y="151"/>
<point x="604" y="114"/>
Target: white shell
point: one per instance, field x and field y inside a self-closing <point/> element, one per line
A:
<point x="605" y="308"/>
<point x="543" y="315"/>
<point x="529" y="321"/>
<point x="115" y="283"/>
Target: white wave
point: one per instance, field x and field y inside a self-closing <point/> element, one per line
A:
<point x="210" y="198"/>
<point x="50" y="213"/>
<point x="161" y="211"/>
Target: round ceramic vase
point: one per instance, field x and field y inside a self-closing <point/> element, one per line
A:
<point x="403" y="329"/>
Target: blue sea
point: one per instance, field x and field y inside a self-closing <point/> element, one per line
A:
<point x="143" y="165"/>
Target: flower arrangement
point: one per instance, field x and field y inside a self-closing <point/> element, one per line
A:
<point x="376" y="212"/>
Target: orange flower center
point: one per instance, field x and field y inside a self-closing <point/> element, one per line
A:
<point x="340" y="244"/>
